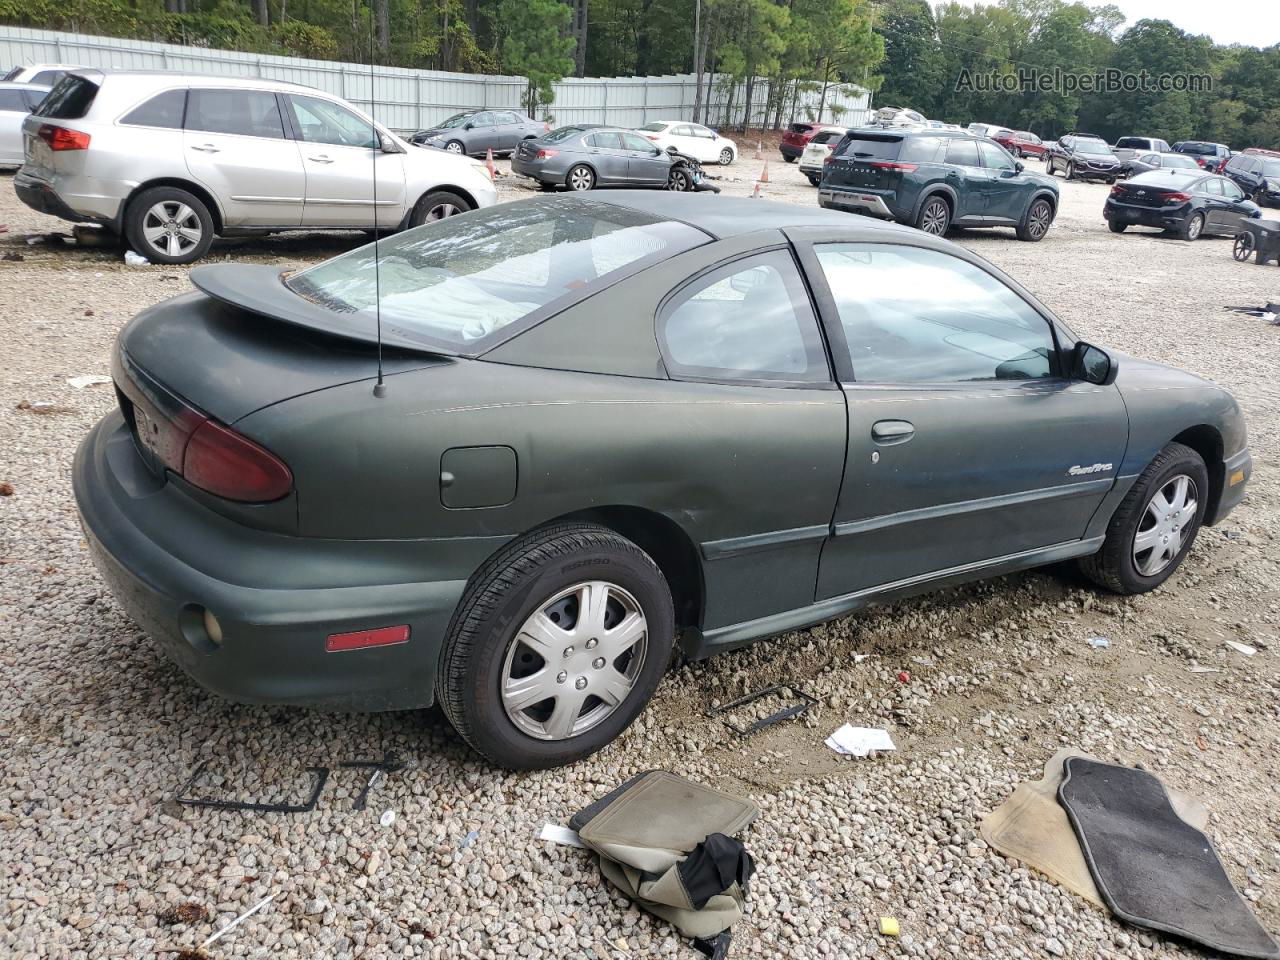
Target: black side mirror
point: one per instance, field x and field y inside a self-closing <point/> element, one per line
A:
<point x="672" y="150"/>
<point x="1092" y="365"/>
<point x="1019" y="166"/>
<point x="468" y="126"/>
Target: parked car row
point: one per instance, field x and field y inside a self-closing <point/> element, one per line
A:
<point x="1185" y="202"/>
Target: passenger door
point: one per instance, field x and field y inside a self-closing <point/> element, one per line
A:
<point x="968" y="178"/>
<point x="966" y="441"/>
<point x="235" y="145"/>
<point x="507" y="131"/>
<point x="1005" y="188"/>
<point x="340" y="154"/>
<point x="1234" y="210"/>
<point x="485" y="133"/>
<point x="611" y="160"/>
<point x="647" y="165"/>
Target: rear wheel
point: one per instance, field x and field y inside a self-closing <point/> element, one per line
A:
<point x="813" y="180"/>
<point x="168" y="225"/>
<point x="1036" y="223"/>
<point x="1155" y="525"/>
<point x="557" y="645"/>
<point x="726" y="157"/>
<point x="437" y="205"/>
<point x="1192" y="227"/>
<point x="934" y="216"/>
<point x="580" y="177"/>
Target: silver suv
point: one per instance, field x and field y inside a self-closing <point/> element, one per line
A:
<point x="169" y="161"/>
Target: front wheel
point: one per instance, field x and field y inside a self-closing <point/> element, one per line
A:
<point x="454" y="146"/>
<point x="557" y="645"/>
<point x="934" y="217"/>
<point x="1071" y="169"/>
<point x="1155" y="524"/>
<point x="679" y="180"/>
<point x="1037" y="221"/>
<point x="580" y="177"/>
<point x="437" y="205"/>
<point x="726" y="157"/>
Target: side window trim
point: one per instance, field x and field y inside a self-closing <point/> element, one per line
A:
<point x="667" y="304"/>
<point x="839" y="354"/>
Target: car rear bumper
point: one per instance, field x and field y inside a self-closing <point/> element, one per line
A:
<point x="77" y="201"/>
<point x="167" y="559"/>
<point x="856" y="201"/>
<point x="1237" y="470"/>
<point x="535" y="170"/>
<point x="790" y="149"/>
<point x="1163" y="217"/>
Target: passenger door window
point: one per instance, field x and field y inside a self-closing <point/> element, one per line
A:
<point x="246" y="113"/>
<point x="631" y="141"/>
<point x="912" y="315"/>
<point x="750" y="320"/>
<point x="1231" y="191"/>
<point x="963" y="153"/>
<point x="993" y="158"/>
<point x="321" y="121"/>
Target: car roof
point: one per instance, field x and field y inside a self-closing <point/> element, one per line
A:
<point x="179" y="78"/>
<point x="1170" y="173"/>
<point x="19" y="85"/>
<point x="724" y="217"/>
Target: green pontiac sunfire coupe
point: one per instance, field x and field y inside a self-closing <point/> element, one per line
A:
<point x="614" y="428"/>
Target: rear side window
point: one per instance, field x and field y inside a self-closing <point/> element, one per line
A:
<point x="13" y="100"/>
<point x="248" y="113"/>
<point x="871" y="148"/>
<point x="70" y="99"/>
<point x="750" y="320"/>
<point x="963" y="153"/>
<point x="922" y="150"/>
<point x="605" y="141"/>
<point x="34" y="97"/>
<point x="162" y="110"/>
<point x="912" y="315"/>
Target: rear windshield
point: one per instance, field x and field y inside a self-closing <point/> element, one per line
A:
<point x="1133" y="143"/>
<point x="801" y="127"/>
<point x="864" y="147"/>
<point x="827" y="136"/>
<point x="562" y="133"/>
<point x="1176" y="161"/>
<point x="1199" y="149"/>
<point x="459" y="281"/>
<point x="70" y="99"/>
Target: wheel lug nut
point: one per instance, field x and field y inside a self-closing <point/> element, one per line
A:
<point x="591" y="644"/>
<point x="568" y="652"/>
<point x="561" y="677"/>
<point x="598" y="663"/>
<point x="580" y="682"/>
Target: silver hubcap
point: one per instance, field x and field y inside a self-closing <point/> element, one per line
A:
<point x="454" y="147"/>
<point x="935" y="219"/>
<point x="574" y="661"/>
<point x="1163" y="528"/>
<point x="1194" y="227"/>
<point x="1039" y="220"/>
<point x="172" y="228"/>
<point x="442" y="210"/>
<point x="726" y="156"/>
<point x="580" y="179"/>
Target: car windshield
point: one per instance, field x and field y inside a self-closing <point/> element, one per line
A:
<point x="1093" y="146"/>
<point x="457" y="120"/>
<point x="458" y="281"/>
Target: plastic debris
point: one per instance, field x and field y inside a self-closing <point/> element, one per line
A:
<point x="240" y="919"/>
<point x="1098" y="643"/>
<point x="88" y="380"/>
<point x="851" y="741"/>
<point x="923" y="661"/>
<point x="388" y="818"/>
<point x="561" y="835"/>
<point x="1204" y="670"/>
<point x="904" y="677"/>
<point x="469" y="839"/>
<point x="889" y="926"/>
<point x="135" y="259"/>
<point x="859" y="657"/>
<point x="1239" y="647"/>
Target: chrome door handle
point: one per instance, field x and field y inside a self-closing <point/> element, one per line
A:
<point x="321" y="159"/>
<point x="206" y="148"/>
<point x="892" y="431"/>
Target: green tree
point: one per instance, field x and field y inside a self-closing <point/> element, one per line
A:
<point x="912" y="67"/>
<point x="536" y="45"/>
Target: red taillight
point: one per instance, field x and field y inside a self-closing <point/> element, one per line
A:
<point x="650" y="136"/>
<point x="893" y="165"/>
<point x="545" y="154"/>
<point x="1177" y="197"/>
<point x="1117" y="190"/>
<point x="360" y="639"/>
<point x="229" y="465"/>
<point x="60" y="138"/>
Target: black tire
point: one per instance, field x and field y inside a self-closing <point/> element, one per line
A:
<point x="580" y="177"/>
<point x="456" y="146"/>
<point x="1036" y="221"/>
<point x="502" y="595"/>
<point x="1191" y="228"/>
<point x="1071" y="170"/>
<point x="679" y="180"/>
<point x="934" y="216"/>
<point x="789" y="159"/>
<point x="141" y="216"/>
<point x="727" y="157"/>
<point x="1114" y="567"/>
<point x="813" y="180"/>
<point x="1048" y="166"/>
<point x="1117" y="227"/>
<point x="438" y="205"/>
<point x="546" y="187"/>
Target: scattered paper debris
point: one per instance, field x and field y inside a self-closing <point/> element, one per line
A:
<point x="854" y="741"/>
<point x="859" y="657"/>
<point x="240" y="919"/>
<point x="88" y="380"/>
<point x="1204" y="670"/>
<point x="135" y="259"/>
<point x="924" y="661"/>
<point x="388" y="818"/>
<point x="1239" y="647"/>
<point x="1098" y="643"/>
<point x="889" y="926"/>
<point x="561" y="835"/>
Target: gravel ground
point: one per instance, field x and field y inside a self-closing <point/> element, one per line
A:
<point x="97" y="730"/>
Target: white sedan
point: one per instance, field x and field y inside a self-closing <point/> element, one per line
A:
<point x="694" y="139"/>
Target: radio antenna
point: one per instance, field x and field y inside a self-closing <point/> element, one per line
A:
<point x="379" y="388"/>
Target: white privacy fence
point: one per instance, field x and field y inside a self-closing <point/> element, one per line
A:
<point x="406" y="99"/>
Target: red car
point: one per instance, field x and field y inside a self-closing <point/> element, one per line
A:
<point x="1021" y="143"/>
<point x="798" y="135"/>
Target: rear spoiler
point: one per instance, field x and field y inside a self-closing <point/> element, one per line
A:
<point x="260" y="289"/>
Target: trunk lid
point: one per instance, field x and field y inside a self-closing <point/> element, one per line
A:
<point x="1144" y="194"/>
<point x="55" y="123"/>
<point x="864" y="161"/>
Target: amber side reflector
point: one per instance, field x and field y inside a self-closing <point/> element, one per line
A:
<point x="1237" y="477"/>
<point x="382" y="637"/>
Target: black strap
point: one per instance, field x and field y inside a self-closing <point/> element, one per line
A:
<point x="715" y="949"/>
<point x="713" y="866"/>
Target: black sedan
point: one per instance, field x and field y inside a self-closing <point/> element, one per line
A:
<point x="476" y="132"/>
<point x="1185" y="202"/>
<point x="605" y="430"/>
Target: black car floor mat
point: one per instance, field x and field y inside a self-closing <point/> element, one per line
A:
<point x="1151" y="867"/>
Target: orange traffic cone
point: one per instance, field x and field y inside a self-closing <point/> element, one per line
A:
<point x="764" y="174"/>
<point x="756" y="191"/>
<point x="488" y="164"/>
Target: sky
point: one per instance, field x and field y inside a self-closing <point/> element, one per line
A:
<point x="1255" y="22"/>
